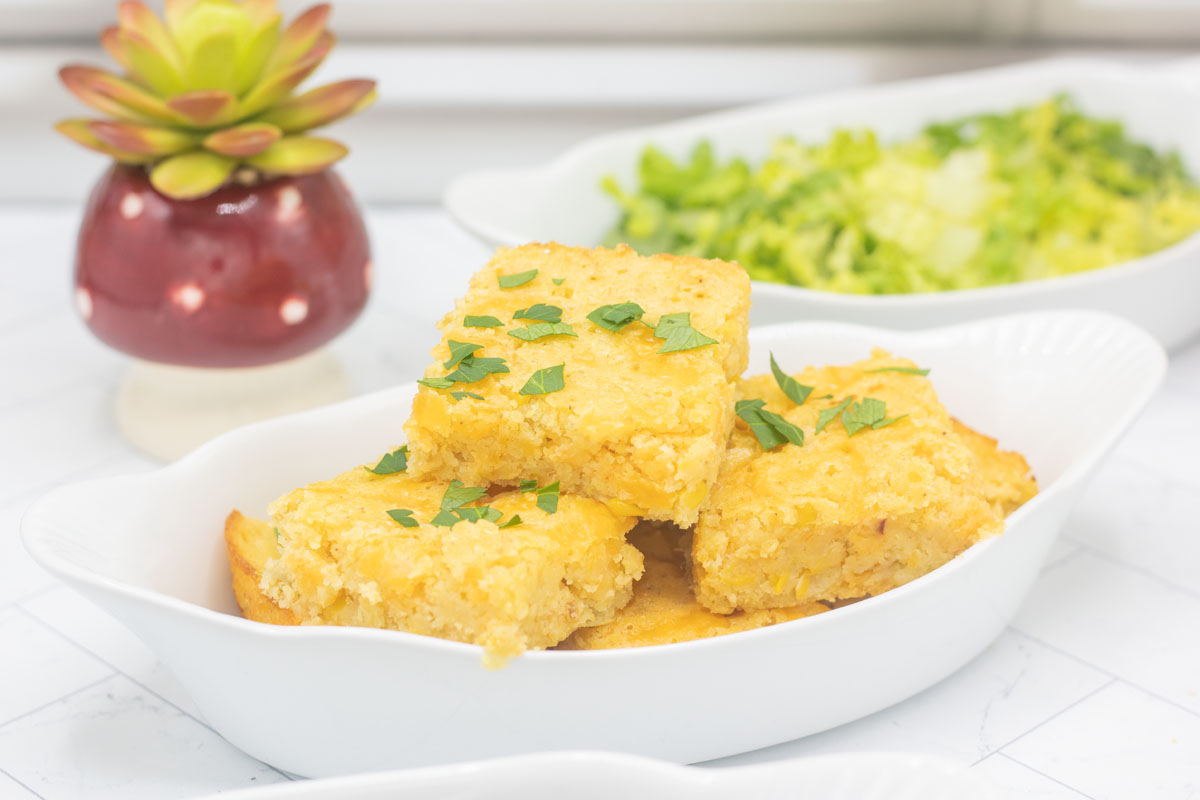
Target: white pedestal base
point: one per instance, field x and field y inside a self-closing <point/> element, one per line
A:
<point x="167" y="411"/>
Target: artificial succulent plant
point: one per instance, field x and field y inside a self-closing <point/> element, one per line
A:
<point x="209" y="92"/>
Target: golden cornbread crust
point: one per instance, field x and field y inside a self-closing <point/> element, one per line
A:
<point x="1005" y="478"/>
<point x="664" y="609"/>
<point x="839" y="517"/>
<point x="343" y="561"/>
<point x="642" y="430"/>
<point x="250" y="544"/>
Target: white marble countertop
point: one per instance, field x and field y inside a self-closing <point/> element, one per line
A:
<point x="1094" y="690"/>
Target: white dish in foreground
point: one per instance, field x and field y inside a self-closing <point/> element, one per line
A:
<point x="562" y="201"/>
<point x="1061" y="387"/>
<point x="605" y="776"/>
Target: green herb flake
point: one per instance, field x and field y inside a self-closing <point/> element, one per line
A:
<point x="395" y="461"/>
<point x="511" y="522"/>
<point x="458" y="495"/>
<point x="540" y="330"/>
<point x="617" y="316"/>
<point x="528" y="486"/>
<point x="460" y="351"/>
<point x="540" y="312"/>
<point x="517" y="279"/>
<point x="465" y="395"/>
<point x="476" y="513"/>
<point x="870" y="413"/>
<point x="558" y="281"/>
<point x="905" y="370"/>
<point x="436" y="383"/>
<point x="472" y="369"/>
<point x="796" y="392"/>
<point x="484" y="321"/>
<point x="545" y="381"/>
<point x="769" y="428"/>
<point x="445" y="519"/>
<point x="679" y="334"/>
<point x="828" y="415"/>
<point x="547" y="498"/>
<point x="404" y="516"/>
<point x="277" y="534"/>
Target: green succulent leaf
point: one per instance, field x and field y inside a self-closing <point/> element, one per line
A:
<point x="192" y="174"/>
<point x="242" y="141"/>
<point x="300" y="37"/>
<point x="137" y="18"/>
<point x="80" y="131"/>
<point x="154" y="68"/>
<point x="110" y="40"/>
<point x="277" y="84"/>
<point x="212" y="62"/>
<point x="115" y="96"/>
<point x="322" y="105"/>
<point x="147" y="140"/>
<point x="298" y="155"/>
<point x="205" y="108"/>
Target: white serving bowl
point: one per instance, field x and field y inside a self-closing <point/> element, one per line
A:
<point x="1061" y="387"/>
<point x="562" y="201"/>
<point x="605" y="776"/>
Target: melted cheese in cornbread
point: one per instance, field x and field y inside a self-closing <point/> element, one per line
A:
<point x="343" y="561"/>
<point x="664" y="609"/>
<point x="839" y="517"/>
<point x="642" y="431"/>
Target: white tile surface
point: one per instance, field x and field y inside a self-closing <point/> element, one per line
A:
<point x="38" y="666"/>
<point x="1022" y="781"/>
<point x="116" y="740"/>
<point x="1119" y="743"/>
<point x="1116" y="597"/>
<point x="1013" y="685"/>
<point x="1122" y="621"/>
<point x="10" y="789"/>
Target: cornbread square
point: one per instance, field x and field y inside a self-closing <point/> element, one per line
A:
<point x="1005" y="477"/>
<point x="664" y="609"/>
<point x="340" y="559"/>
<point x="841" y="516"/>
<point x="641" y="430"/>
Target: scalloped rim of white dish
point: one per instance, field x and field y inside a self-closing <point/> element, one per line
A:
<point x="147" y="548"/>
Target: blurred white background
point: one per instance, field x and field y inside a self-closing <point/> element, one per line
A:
<point x="472" y="83"/>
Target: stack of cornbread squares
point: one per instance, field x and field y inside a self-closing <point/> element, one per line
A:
<point x="575" y="475"/>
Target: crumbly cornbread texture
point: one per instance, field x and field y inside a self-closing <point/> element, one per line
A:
<point x="664" y="609"/>
<point x="641" y="430"/>
<point x="251" y="543"/>
<point x="342" y="560"/>
<point x="841" y="516"/>
<point x="1004" y="475"/>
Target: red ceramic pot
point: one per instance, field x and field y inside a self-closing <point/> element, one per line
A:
<point x="249" y="275"/>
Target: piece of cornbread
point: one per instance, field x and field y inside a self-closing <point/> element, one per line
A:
<point x="1005" y="478"/>
<point x="343" y="560"/>
<point x="664" y="609"/>
<point x="841" y="516"/>
<point x="641" y="430"/>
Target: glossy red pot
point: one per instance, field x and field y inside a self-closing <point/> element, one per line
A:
<point x="249" y="275"/>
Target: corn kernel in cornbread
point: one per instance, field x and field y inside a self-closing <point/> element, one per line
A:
<point x="642" y="430"/>
<point x="840" y="516"/>
<point x="343" y="560"/>
<point x="1005" y="477"/>
<point x="664" y="609"/>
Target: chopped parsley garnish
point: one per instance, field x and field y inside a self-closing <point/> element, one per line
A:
<point x="472" y="369"/>
<point x="547" y="498"/>
<point x="617" y="316"/>
<point x="395" y="461"/>
<point x="540" y="312"/>
<point x="544" y="381"/>
<point x="511" y="522"/>
<point x="540" y="330"/>
<point x="404" y="516"/>
<point x="484" y="321"/>
<point x="558" y="281"/>
<point x="465" y="395"/>
<point x="517" y="279"/>
<point x="769" y="428"/>
<point x="828" y="415"/>
<point x="528" y="486"/>
<point x="436" y="383"/>
<point x="277" y="534"/>
<point x="459" y="351"/>
<point x="445" y="519"/>
<point x="476" y="513"/>
<point x="870" y="413"/>
<point x="905" y="370"/>
<point x="679" y="334"/>
<point x="796" y="392"/>
<point x="458" y="495"/>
